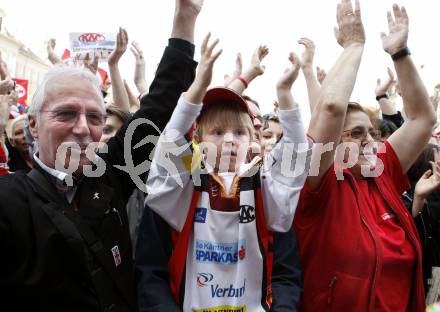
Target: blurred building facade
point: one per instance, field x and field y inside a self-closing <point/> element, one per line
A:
<point x="22" y="62"/>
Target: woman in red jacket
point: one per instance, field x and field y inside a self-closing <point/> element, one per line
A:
<point x="359" y="246"/>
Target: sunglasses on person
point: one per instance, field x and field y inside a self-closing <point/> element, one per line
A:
<point x="360" y="133"/>
<point x="71" y="116"/>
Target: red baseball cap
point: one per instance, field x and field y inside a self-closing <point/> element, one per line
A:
<point x="221" y="95"/>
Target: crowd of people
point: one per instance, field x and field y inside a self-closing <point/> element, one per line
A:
<point x="188" y="198"/>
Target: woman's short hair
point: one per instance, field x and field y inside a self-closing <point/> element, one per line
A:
<point x="113" y="110"/>
<point x="269" y="117"/>
<point x="387" y="127"/>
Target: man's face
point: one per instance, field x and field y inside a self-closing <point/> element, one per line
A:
<point x="60" y="122"/>
<point x="17" y="139"/>
<point x="112" y="125"/>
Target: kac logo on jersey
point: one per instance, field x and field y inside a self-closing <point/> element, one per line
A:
<point x="200" y="215"/>
<point x="220" y="253"/>
<point x="247" y="214"/>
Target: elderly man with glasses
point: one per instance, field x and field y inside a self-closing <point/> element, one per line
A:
<point x="64" y="233"/>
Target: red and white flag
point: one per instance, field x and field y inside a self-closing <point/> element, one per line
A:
<point x="21" y="85"/>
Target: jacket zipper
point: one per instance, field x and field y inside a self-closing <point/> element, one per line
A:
<point x="330" y="289"/>
<point x="376" y="267"/>
<point x="119" y="216"/>
<point x="425" y="231"/>
<point x="376" y="270"/>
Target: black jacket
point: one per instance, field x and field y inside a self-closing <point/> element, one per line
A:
<point x="16" y="160"/>
<point x="46" y="261"/>
<point x="428" y="227"/>
<point x="154" y="248"/>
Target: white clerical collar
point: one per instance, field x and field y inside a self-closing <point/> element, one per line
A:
<point x="60" y="175"/>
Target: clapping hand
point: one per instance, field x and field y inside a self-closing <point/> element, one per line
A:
<point x="93" y="66"/>
<point x="290" y="74"/>
<point x="121" y="47"/>
<point x="237" y="72"/>
<point x="5" y="105"/>
<point x="51" y="55"/>
<point x="4" y="73"/>
<point x="260" y="53"/>
<point x="309" y="52"/>
<point x="139" y="72"/>
<point x="350" y="29"/>
<point x="386" y="85"/>
<point x="6" y="86"/>
<point x="398" y="27"/>
<point x="320" y="74"/>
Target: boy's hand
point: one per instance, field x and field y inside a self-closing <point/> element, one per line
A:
<point x="208" y="58"/>
<point x="260" y="53"/>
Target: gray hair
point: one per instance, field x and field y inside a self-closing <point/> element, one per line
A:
<point x="56" y="72"/>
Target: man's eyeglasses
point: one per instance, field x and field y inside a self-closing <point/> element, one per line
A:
<point x="71" y="116"/>
<point x="360" y="133"/>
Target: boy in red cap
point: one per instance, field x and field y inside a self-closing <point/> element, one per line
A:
<point x="223" y="206"/>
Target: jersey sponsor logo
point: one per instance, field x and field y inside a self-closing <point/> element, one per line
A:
<point x="242" y="253"/>
<point x="204" y="278"/>
<point x="200" y="215"/>
<point x="220" y="253"/>
<point x="228" y="292"/>
<point x="247" y="214"/>
<point x="223" y="308"/>
<point x="219" y="291"/>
